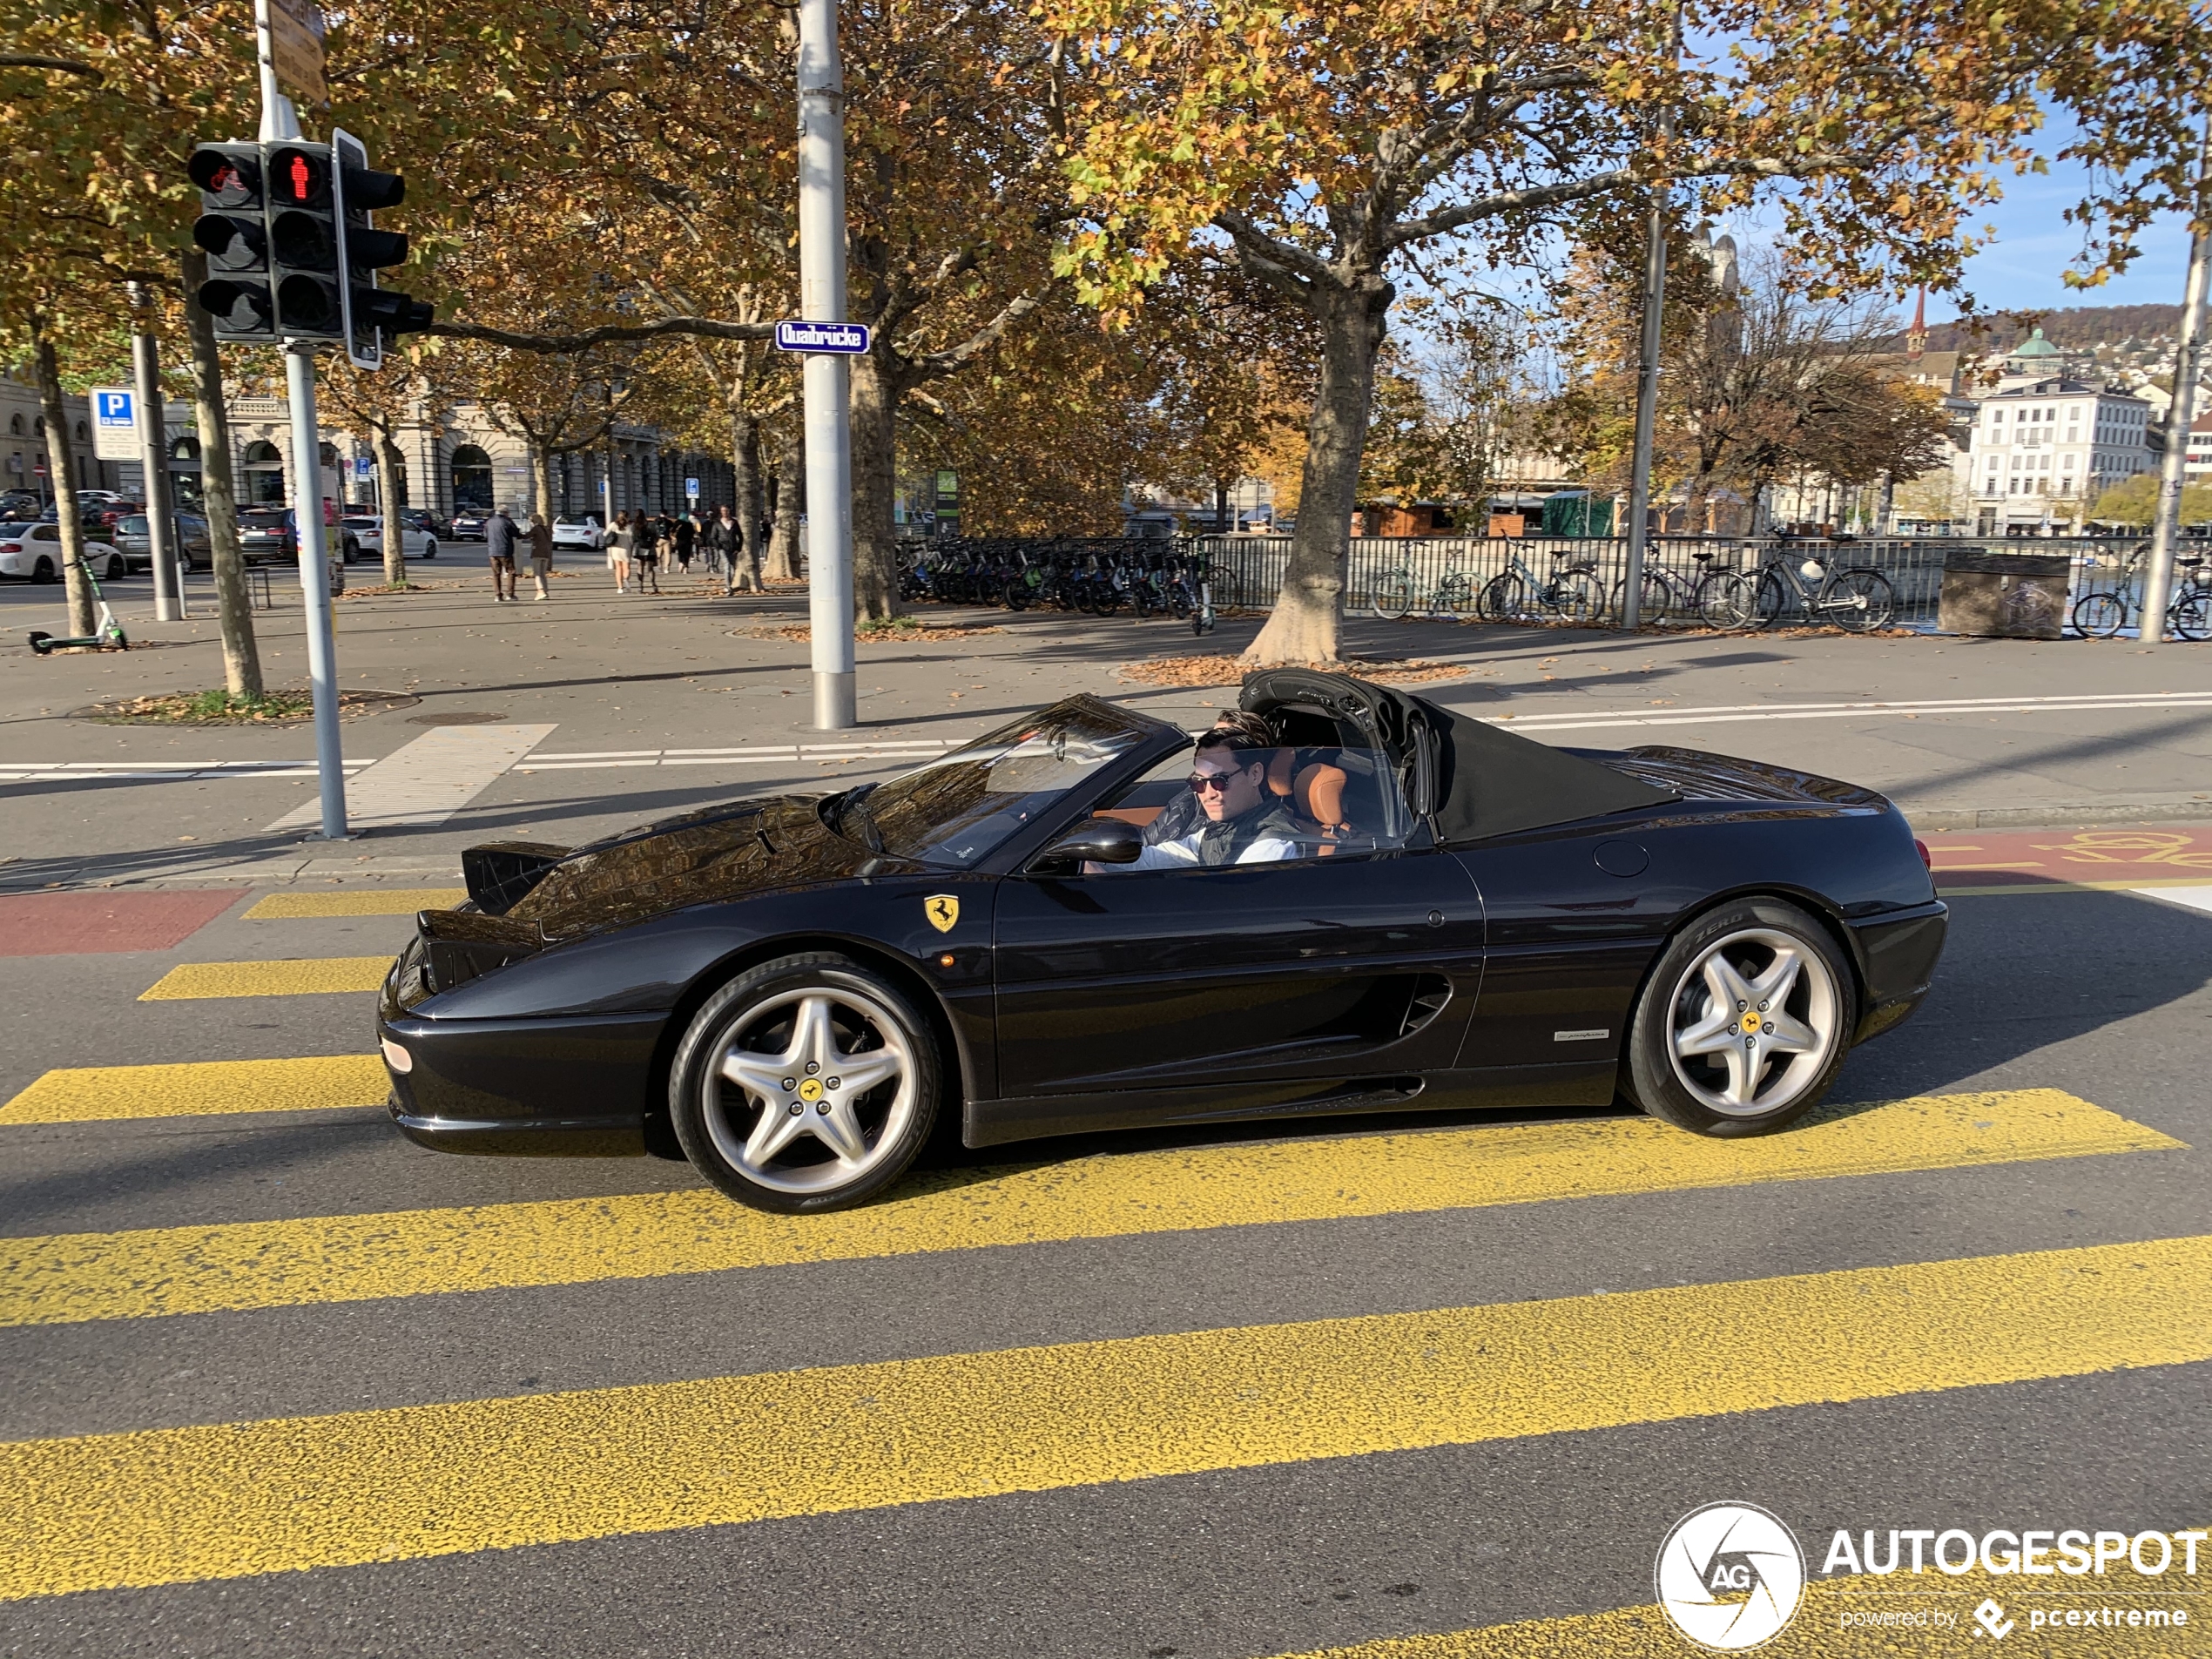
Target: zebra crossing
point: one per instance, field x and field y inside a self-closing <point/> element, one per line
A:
<point x="153" y="1507"/>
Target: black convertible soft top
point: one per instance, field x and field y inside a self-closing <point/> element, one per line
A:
<point x="1469" y="779"/>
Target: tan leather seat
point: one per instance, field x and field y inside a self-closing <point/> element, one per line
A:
<point x="1315" y="794"/>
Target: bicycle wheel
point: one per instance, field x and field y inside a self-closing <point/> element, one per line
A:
<point x="2098" y="616"/>
<point x="1706" y="599"/>
<point x="2190" y="615"/>
<point x="1454" y="595"/>
<point x="1751" y="600"/>
<point x="1394" y="597"/>
<point x="1862" y="600"/>
<point x="1577" y="597"/>
<point x="1655" y="598"/>
<point x="1503" y="598"/>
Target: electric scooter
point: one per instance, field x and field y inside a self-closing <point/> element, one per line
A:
<point x="107" y="636"/>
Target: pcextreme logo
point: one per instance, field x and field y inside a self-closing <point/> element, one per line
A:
<point x="1731" y="1576"/>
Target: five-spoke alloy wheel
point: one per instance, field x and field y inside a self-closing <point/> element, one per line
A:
<point x="805" y="1084"/>
<point x="1744" y="1022"/>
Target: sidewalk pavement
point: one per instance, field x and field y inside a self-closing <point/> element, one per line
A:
<point x="597" y="710"/>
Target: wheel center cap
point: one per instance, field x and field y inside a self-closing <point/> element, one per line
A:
<point x="1750" y="1022"/>
<point x="811" y="1089"/>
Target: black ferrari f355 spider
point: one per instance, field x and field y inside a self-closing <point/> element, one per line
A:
<point x="789" y="990"/>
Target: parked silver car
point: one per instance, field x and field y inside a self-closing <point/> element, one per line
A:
<point x="134" y="540"/>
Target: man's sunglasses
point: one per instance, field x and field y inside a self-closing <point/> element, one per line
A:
<point x="1202" y="781"/>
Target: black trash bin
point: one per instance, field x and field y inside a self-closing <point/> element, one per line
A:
<point x="2009" y="596"/>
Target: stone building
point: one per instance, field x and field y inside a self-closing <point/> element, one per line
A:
<point x="25" y="464"/>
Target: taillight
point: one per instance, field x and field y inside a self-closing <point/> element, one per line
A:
<point x="1927" y="859"/>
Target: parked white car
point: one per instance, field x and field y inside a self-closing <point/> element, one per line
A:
<point x="33" y="553"/>
<point x="367" y="532"/>
<point x="569" y="531"/>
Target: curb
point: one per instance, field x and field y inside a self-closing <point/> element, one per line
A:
<point x="2071" y="815"/>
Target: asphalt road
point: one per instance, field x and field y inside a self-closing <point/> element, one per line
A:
<point x="279" y="1383"/>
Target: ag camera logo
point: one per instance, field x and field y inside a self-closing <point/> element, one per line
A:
<point x="1731" y="1576"/>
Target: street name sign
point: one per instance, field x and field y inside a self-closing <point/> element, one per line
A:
<point x="115" y="423"/>
<point x="843" y="338"/>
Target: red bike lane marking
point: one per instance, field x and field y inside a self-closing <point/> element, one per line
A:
<point x="2124" y="855"/>
<point x="76" y="924"/>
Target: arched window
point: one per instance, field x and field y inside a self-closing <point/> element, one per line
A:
<point x="15" y="426"/>
<point x="38" y="426"/>
<point x="329" y="453"/>
<point x="471" y="478"/>
<point x="81" y="433"/>
<point x="185" y="448"/>
<point x="264" y="476"/>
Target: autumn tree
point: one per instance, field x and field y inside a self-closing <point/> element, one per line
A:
<point x="1331" y="147"/>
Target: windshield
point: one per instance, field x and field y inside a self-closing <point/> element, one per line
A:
<point x="957" y="809"/>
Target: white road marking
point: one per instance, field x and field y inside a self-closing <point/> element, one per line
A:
<point x="759" y="754"/>
<point x="1731" y="713"/>
<point x="423" y="783"/>
<point x="2194" y="898"/>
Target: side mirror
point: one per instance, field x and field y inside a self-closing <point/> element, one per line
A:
<point x="1095" y="840"/>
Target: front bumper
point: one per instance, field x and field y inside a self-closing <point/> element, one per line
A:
<point x="1898" y="954"/>
<point x="576" y="1088"/>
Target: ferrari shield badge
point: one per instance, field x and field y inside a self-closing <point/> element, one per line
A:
<point x="942" y="909"/>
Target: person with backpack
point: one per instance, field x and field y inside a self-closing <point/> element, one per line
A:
<point x="622" y="548"/>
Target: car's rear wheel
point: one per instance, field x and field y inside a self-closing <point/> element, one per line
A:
<point x="429" y="550"/>
<point x="1744" y="1022"/>
<point x="808" y="1083"/>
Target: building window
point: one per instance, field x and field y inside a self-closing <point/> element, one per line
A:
<point x="471" y="477"/>
<point x="15" y="426"/>
<point x="264" y="476"/>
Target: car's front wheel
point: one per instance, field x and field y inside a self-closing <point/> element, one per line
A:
<point x="1744" y="1022"/>
<point x="808" y="1083"/>
<point x="429" y="550"/>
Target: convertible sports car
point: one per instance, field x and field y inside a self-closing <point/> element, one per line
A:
<point x="788" y="990"/>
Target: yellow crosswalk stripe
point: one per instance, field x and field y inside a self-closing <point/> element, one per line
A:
<point x="198" y="1088"/>
<point x="64" y="1278"/>
<point x="169" y="1505"/>
<point x="387" y="901"/>
<point x="295" y="977"/>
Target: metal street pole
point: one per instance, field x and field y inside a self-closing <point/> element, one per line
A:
<point x="2188" y="363"/>
<point x="281" y="121"/>
<point x="153" y="460"/>
<point x="1655" y="300"/>
<point x="827" y="387"/>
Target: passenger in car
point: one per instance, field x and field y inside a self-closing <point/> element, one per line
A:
<point x="1241" y="820"/>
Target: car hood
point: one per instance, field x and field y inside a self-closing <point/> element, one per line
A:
<point x="731" y="851"/>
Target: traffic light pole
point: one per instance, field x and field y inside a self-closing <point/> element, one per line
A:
<point x="162" y="529"/>
<point x="824" y="379"/>
<point x="279" y="121"/>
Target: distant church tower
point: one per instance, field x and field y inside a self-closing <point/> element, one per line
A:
<point x="1915" y="339"/>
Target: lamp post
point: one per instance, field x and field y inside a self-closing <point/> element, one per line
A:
<point x="826" y="379"/>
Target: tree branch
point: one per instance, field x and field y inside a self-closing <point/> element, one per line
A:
<point x="941" y="363"/>
<point x="557" y="345"/>
<point x="62" y="65"/>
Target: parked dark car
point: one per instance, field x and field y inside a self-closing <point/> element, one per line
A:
<point x="134" y="539"/>
<point x="267" y="533"/>
<point x="787" y="990"/>
<point x="469" y="524"/>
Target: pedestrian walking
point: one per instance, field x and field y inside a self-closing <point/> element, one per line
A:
<point x="650" y="540"/>
<point x="499" y="547"/>
<point x="622" y="548"/>
<point x="686" y="533"/>
<point x="541" y="536"/>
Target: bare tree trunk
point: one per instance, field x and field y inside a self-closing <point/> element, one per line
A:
<point x="61" y="469"/>
<point x="791" y="501"/>
<point x="1305" y="625"/>
<point x="392" y="465"/>
<point x="875" y="554"/>
<point x="542" y="480"/>
<point x="744" y="464"/>
<point x="219" y="489"/>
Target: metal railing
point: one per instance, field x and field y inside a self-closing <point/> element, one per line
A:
<point x="1446" y="575"/>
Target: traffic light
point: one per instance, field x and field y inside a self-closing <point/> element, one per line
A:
<point x="373" y="314"/>
<point x="303" y="240"/>
<point x="233" y="227"/>
<point x="292" y="253"/>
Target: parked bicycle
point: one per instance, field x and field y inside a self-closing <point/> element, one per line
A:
<point x="1572" y="593"/>
<point x="1453" y="595"/>
<point x="1857" y="599"/>
<point x="2103" y="612"/>
<point x="1666" y="592"/>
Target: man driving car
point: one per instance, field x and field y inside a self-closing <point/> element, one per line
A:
<point x="1240" y="820"/>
